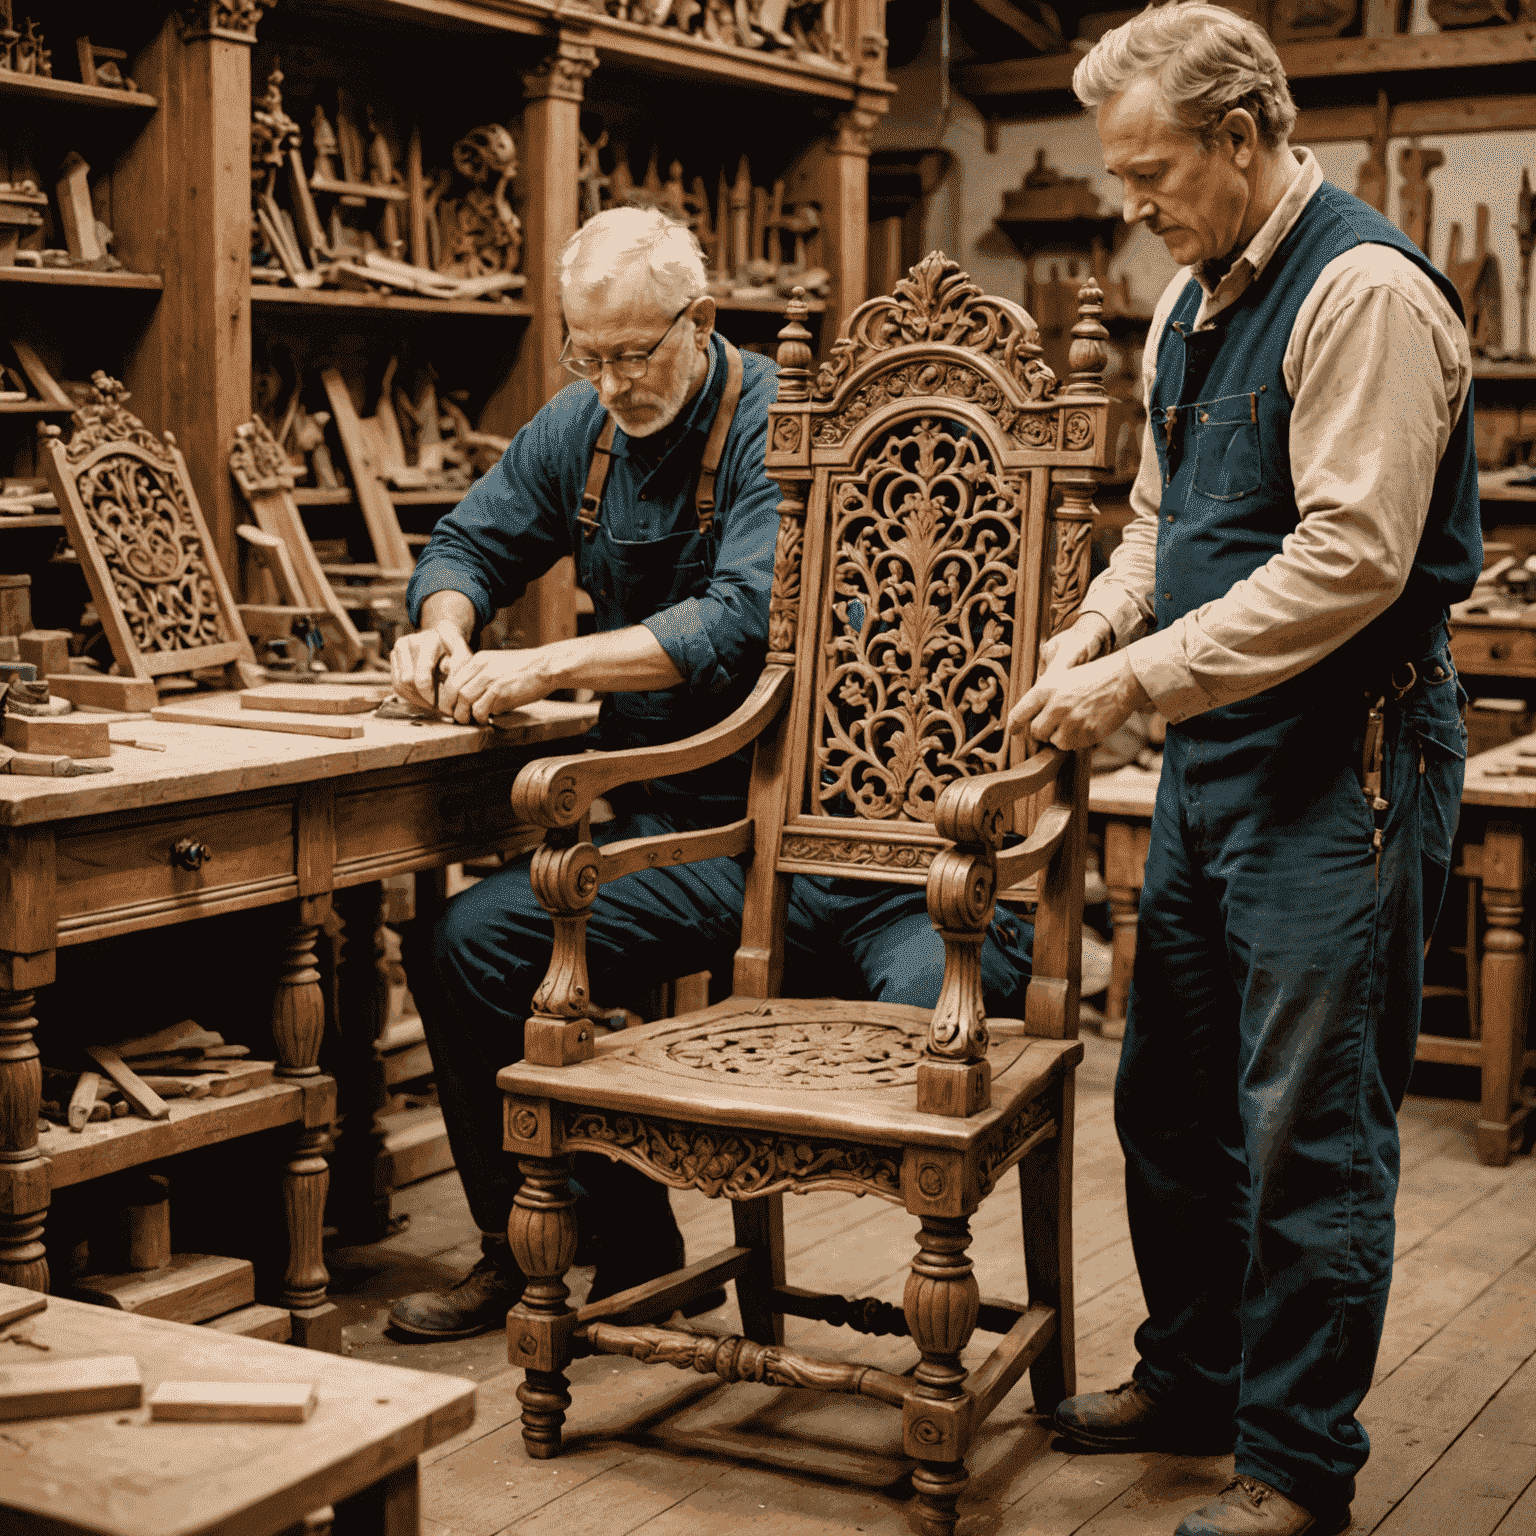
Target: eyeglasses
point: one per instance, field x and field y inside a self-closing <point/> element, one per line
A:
<point x="628" y="365"/>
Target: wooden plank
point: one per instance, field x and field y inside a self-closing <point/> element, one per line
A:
<point x="247" y="720"/>
<point x="314" y="699"/>
<point x="54" y="1388"/>
<point x="16" y="1303"/>
<point x="389" y="546"/>
<point x="232" y="1402"/>
<point x="135" y="1090"/>
<point x="130" y="694"/>
<point x="190" y="1289"/>
<point x="416" y="1148"/>
<point x="58" y="735"/>
<point x="1469" y="114"/>
<point x="1469" y="1490"/>
<point x="256" y="1322"/>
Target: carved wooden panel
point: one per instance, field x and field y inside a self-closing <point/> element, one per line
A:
<point x="917" y="639"/>
<point x="128" y="506"/>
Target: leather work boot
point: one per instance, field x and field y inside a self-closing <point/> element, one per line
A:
<point x="478" y="1303"/>
<point x="1247" y="1507"/>
<point x="1128" y="1418"/>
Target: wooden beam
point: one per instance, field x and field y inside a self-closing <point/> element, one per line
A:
<point x="1412" y="119"/>
<point x="1046" y="39"/>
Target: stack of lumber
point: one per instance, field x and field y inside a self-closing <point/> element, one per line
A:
<point x="183" y="1061"/>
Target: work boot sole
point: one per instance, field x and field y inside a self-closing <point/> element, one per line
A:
<point x="420" y="1332"/>
<point x="1171" y="1443"/>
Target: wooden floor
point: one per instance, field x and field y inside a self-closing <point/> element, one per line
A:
<point x="1452" y="1415"/>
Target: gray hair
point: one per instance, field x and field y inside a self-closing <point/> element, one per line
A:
<point x="606" y="245"/>
<point x="1208" y="61"/>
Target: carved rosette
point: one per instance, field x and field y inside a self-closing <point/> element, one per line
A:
<point x="918" y="643"/>
<point x="834" y="1055"/>
<point x="234" y="21"/>
<point x="936" y="302"/>
<point x="563" y="74"/>
<point x="256" y="460"/>
<point x="739" y="1164"/>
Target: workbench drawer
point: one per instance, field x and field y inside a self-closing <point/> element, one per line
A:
<point x="1494" y="652"/>
<point x="145" y="869"/>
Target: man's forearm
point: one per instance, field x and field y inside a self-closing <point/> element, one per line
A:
<point x="620" y="661"/>
<point x="449" y="607"/>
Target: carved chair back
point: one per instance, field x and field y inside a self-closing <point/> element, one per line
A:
<point x="937" y="488"/>
<point x="133" y="519"/>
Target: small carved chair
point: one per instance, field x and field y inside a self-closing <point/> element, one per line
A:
<point x="937" y="501"/>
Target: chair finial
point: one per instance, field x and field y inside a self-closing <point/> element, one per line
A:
<point x="795" y="355"/>
<point x="1088" y="356"/>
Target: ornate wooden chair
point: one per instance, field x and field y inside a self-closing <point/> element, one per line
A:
<point x="937" y="486"/>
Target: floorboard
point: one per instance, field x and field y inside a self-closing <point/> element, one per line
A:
<point x="1452" y="1414"/>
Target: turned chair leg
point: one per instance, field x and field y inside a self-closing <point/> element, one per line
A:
<point x="941" y="1303"/>
<point x="1045" y="1203"/>
<point x="542" y="1233"/>
<point x="759" y="1226"/>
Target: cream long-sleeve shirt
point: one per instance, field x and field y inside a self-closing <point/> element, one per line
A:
<point x="1378" y="369"/>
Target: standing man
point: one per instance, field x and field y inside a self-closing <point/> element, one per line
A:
<point x="1305" y="513"/>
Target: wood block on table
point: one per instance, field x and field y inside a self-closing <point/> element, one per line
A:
<point x="192" y="1288"/>
<point x="16" y="1303"/>
<point x="232" y="1402"/>
<point x="69" y="1386"/>
<point x="248" y="720"/>
<point x="46" y="649"/>
<point x="314" y="699"/>
<point x="132" y="695"/>
<point x="134" y="1088"/>
<point x="256" y="1322"/>
<point x="58" y="735"/>
<point x="240" y="1077"/>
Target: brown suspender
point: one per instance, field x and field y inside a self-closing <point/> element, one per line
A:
<point x="590" y="516"/>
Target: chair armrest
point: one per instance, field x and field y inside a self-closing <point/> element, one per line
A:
<point x="968" y="810"/>
<point x="558" y="791"/>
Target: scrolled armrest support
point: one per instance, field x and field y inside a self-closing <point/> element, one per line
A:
<point x="559" y="791"/>
<point x="969" y="812"/>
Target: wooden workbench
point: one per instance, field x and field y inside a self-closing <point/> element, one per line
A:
<point x="223" y="821"/>
<point x="119" y="1474"/>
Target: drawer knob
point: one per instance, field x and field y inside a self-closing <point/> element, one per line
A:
<point x="191" y="854"/>
<point x="1499" y="650"/>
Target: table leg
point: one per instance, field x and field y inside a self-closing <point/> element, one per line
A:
<point x="1505" y="982"/>
<point x="298" y="1021"/>
<point x="24" y="1183"/>
<point x="362" y="991"/>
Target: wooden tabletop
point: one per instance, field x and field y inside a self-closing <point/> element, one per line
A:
<point x="117" y="1474"/>
<point x="1128" y="791"/>
<point x="1504" y="776"/>
<point x="202" y="761"/>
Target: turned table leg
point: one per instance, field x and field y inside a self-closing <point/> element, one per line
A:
<point x="542" y="1233"/>
<point x="298" y="1021"/>
<point x="941" y="1303"/>
<point x="24" y="1182"/>
<point x="1125" y="858"/>
<point x="362" y="1005"/>
<point x="1505" y="983"/>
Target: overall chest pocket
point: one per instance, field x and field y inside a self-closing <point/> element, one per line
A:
<point x="643" y="576"/>
<point x="1224" y="440"/>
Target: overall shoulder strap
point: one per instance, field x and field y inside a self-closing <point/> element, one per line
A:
<point x="597" y="477"/>
<point x="725" y="414"/>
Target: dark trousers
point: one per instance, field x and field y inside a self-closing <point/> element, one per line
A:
<point x="1273" y="1016"/>
<point x="491" y="949"/>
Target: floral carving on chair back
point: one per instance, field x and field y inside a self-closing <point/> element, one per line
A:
<point x="918" y="636"/>
<point x="130" y="486"/>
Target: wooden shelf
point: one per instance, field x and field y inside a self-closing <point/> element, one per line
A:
<point x="399" y="303"/>
<point x="314" y="496"/>
<point x="1048" y="79"/>
<point x="773" y="306"/>
<point x="39" y="88"/>
<point x="30" y="520"/>
<point x="1483" y="369"/>
<point x="1491" y="486"/>
<point x="81" y="277"/>
<point x="107" y="1146"/>
<point x="444" y="496"/>
<point x="33" y="408"/>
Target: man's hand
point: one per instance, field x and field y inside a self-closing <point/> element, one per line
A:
<point x="1087" y="638"/>
<point x="485" y="684"/>
<point x="417" y="657"/>
<point x="1078" y="706"/>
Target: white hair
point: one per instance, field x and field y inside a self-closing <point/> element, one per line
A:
<point x="622" y="237"/>
<point x="1208" y="61"/>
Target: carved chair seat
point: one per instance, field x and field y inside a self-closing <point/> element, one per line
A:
<point x="937" y="498"/>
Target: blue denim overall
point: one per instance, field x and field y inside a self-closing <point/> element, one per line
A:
<point x="1275" y="1000"/>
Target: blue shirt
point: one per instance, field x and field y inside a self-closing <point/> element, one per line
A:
<point x="704" y="598"/>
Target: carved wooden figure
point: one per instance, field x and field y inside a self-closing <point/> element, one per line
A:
<point x="1478" y="282"/>
<point x="922" y="558"/>
<point x="1371" y="179"/>
<point x="1416" y="215"/>
<point x="1525" y="235"/>
<point x="134" y="521"/>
